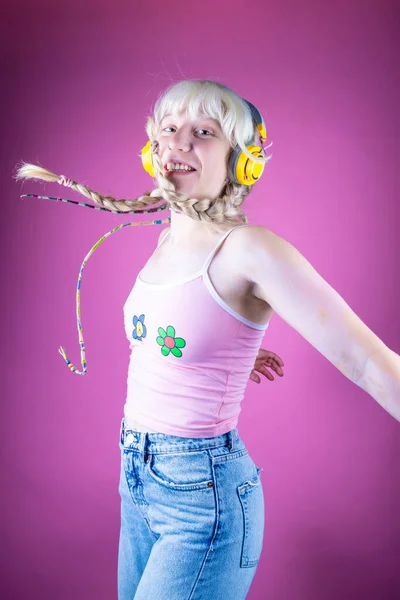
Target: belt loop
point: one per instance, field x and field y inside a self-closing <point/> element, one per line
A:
<point x="143" y="445"/>
<point x="122" y="430"/>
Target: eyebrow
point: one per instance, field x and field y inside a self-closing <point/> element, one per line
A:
<point x="205" y="118"/>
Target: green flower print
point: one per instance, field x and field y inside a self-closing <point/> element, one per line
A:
<point x="170" y="343"/>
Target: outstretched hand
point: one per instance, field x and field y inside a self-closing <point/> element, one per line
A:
<point x="264" y="359"/>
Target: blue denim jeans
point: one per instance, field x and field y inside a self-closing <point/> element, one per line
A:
<point x="192" y="517"/>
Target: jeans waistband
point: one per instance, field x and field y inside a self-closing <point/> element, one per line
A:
<point x="160" y="443"/>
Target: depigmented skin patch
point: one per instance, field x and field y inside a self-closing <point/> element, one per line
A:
<point x="323" y="314"/>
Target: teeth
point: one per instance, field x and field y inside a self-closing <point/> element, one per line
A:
<point x="178" y="167"/>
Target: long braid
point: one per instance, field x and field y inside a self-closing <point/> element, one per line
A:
<point x="29" y="171"/>
<point x="225" y="208"/>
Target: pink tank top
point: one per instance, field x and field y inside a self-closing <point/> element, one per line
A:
<point x="191" y="357"/>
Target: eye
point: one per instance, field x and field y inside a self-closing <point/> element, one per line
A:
<point x="206" y="130"/>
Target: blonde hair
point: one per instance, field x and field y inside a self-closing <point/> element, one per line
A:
<point x="197" y="98"/>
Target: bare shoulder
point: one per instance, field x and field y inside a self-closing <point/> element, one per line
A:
<point x="257" y="243"/>
<point x="272" y="264"/>
<point x="260" y="235"/>
<point x="262" y="244"/>
<point x="297" y="293"/>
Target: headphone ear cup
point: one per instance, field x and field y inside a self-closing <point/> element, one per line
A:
<point x="246" y="171"/>
<point x="233" y="161"/>
<point x="147" y="160"/>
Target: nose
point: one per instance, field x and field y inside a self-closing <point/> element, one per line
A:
<point x="180" y="140"/>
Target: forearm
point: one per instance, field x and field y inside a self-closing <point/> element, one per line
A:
<point x="381" y="379"/>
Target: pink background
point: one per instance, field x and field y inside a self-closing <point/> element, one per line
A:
<point x="79" y="79"/>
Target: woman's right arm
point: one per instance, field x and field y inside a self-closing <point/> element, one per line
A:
<point x="301" y="297"/>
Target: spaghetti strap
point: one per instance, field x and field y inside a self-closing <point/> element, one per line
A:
<point x="166" y="235"/>
<point x="212" y="253"/>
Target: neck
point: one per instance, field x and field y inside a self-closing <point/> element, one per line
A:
<point x="185" y="230"/>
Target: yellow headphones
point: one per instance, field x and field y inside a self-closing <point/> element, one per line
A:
<point x="244" y="170"/>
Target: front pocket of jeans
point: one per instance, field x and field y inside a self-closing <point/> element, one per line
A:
<point x="181" y="470"/>
<point x="252" y="502"/>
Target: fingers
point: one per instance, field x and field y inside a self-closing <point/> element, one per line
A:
<point x="275" y="364"/>
<point x="267" y="354"/>
<point x="262" y="363"/>
<point x="255" y="377"/>
<point x="266" y="373"/>
<point x="269" y="363"/>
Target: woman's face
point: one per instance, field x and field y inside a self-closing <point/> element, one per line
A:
<point x="201" y="144"/>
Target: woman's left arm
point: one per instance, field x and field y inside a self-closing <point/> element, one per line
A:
<point x="284" y="278"/>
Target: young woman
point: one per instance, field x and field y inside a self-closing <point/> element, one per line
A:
<point x="192" y="506"/>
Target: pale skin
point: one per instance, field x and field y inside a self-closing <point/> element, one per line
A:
<point x="275" y="276"/>
<point x="192" y="146"/>
<point x="201" y="144"/>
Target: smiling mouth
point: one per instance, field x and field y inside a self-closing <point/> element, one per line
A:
<point x="176" y="172"/>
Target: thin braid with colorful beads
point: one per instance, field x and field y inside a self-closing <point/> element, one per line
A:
<point x="68" y="183"/>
